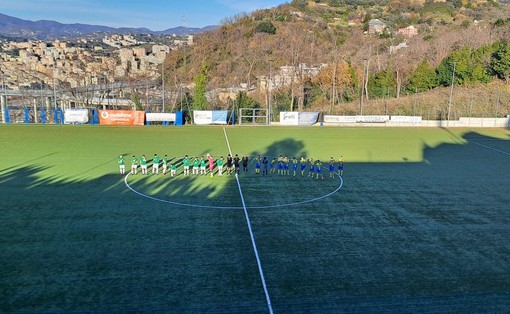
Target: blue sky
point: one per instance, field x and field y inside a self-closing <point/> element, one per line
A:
<point x="156" y="15"/>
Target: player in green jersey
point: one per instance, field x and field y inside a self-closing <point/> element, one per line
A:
<point x="186" y="162"/>
<point x="196" y="166"/>
<point x="164" y="163"/>
<point x="202" y="165"/>
<point x="143" y="164"/>
<point x="173" y="170"/>
<point x="134" y="165"/>
<point x="122" y="164"/>
<point x="155" y="164"/>
<point x="219" y="163"/>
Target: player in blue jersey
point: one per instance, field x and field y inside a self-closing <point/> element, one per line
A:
<point x="273" y="165"/>
<point x="286" y="165"/>
<point x="265" y="163"/>
<point x="341" y="165"/>
<point x="318" y="169"/>
<point x="257" y="164"/>
<point x="331" y="167"/>
<point x="294" y="165"/>
<point x="311" y="167"/>
<point x="302" y="161"/>
<point x="280" y="165"/>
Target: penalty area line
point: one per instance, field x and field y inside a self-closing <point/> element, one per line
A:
<point x="253" y="243"/>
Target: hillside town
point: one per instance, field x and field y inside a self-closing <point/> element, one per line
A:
<point x="37" y="64"/>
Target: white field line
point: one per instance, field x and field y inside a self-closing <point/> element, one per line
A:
<point x="491" y="148"/>
<point x="254" y="245"/>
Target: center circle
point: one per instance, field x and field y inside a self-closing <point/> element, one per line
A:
<point x="340" y="184"/>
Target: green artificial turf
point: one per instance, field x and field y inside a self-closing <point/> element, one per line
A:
<point x="420" y="222"/>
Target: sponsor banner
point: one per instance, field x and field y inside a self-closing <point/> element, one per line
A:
<point x="289" y="118"/>
<point x="308" y="118"/>
<point x="406" y="119"/>
<point x="202" y="116"/>
<point x="210" y="116"/>
<point x="76" y="116"/>
<point x="340" y="119"/>
<point x="220" y="116"/>
<point x="121" y="117"/>
<point x="373" y="119"/>
<point x="159" y="117"/>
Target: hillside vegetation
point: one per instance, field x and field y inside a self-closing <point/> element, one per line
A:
<point x="472" y="36"/>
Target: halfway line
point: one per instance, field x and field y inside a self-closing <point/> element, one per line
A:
<point x="491" y="148"/>
<point x="254" y="245"/>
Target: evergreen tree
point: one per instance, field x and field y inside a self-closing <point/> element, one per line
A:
<point x="501" y="60"/>
<point x="199" y="99"/>
<point x="423" y="79"/>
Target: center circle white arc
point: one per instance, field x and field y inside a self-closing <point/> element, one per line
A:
<point x="341" y="183"/>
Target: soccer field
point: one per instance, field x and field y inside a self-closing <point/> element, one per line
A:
<point x="419" y="222"/>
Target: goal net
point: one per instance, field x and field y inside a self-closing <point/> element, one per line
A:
<point x="253" y="116"/>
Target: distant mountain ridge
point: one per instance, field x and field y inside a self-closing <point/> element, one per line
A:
<point x="44" y="29"/>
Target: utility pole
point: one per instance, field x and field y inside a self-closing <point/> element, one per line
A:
<point x="362" y="88"/>
<point x="451" y="93"/>
<point x="269" y="87"/>
<point x="163" y="83"/>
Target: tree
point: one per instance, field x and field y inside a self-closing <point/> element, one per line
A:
<point x="199" y="99"/>
<point x="265" y="27"/>
<point x="501" y="61"/>
<point x="423" y="79"/>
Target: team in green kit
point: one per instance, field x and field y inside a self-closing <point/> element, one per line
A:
<point x="281" y="166"/>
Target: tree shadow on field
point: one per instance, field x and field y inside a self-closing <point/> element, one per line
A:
<point x="431" y="234"/>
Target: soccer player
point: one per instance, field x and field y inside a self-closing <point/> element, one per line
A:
<point x="318" y="169"/>
<point x="219" y="163"/>
<point x="122" y="164"/>
<point x="331" y="167"/>
<point x="311" y="164"/>
<point x="257" y="164"/>
<point x="155" y="164"/>
<point x="280" y="165"/>
<point x="341" y="165"/>
<point x="302" y="161"/>
<point x="286" y="170"/>
<point x="211" y="164"/>
<point x="236" y="164"/>
<point x="229" y="164"/>
<point x="134" y="165"/>
<point x="294" y="165"/>
<point x="165" y="166"/>
<point x="245" y="163"/>
<point x="196" y="166"/>
<point x="186" y="162"/>
<point x="202" y="165"/>
<point x="272" y="166"/>
<point x="265" y="162"/>
<point x="173" y="170"/>
<point x="143" y="164"/>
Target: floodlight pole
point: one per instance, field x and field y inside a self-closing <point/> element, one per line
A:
<point x="269" y="87"/>
<point x="163" y="83"/>
<point x="362" y="88"/>
<point x="451" y="94"/>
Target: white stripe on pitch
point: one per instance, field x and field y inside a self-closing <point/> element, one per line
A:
<point x="491" y="148"/>
<point x="261" y="272"/>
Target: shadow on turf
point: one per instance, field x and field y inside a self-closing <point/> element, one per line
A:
<point x="362" y="267"/>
